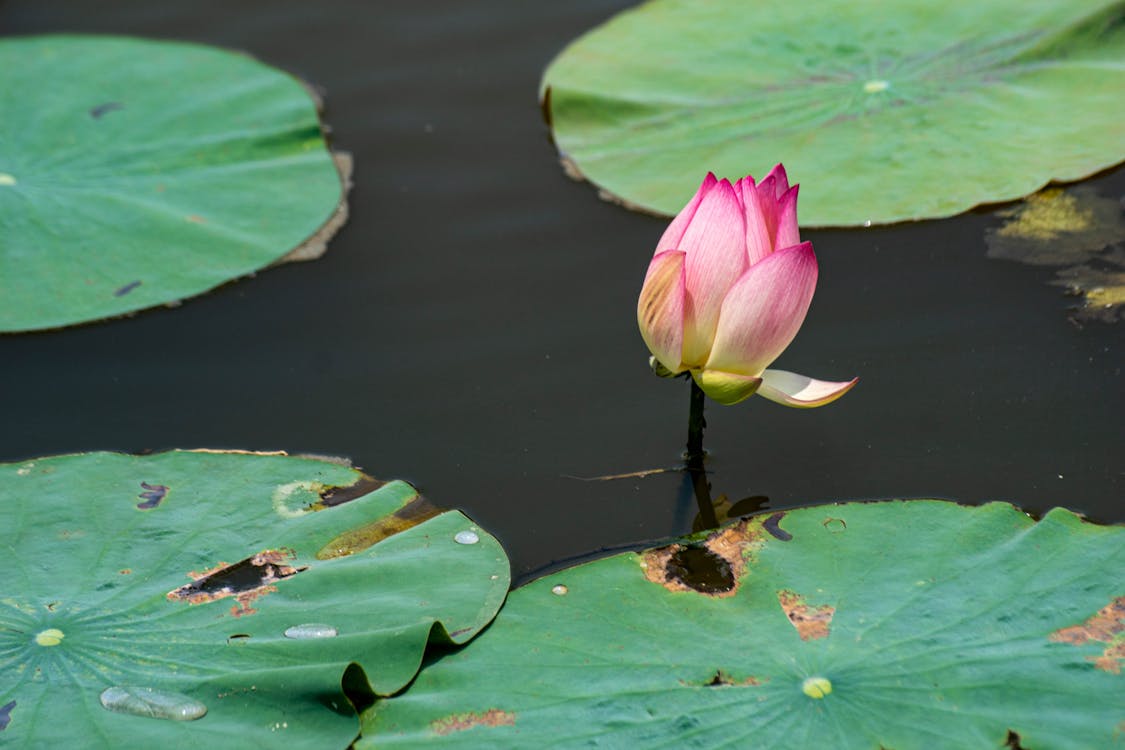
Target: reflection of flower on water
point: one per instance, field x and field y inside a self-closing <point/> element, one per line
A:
<point x="726" y="510"/>
<point x="1076" y="228"/>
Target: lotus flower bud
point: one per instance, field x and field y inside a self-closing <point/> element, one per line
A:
<point x="727" y="290"/>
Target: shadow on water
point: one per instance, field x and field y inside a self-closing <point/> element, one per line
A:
<point x="472" y="329"/>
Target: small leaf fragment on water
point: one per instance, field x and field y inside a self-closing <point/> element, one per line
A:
<point x="153" y="703"/>
<point x="1076" y="228"/>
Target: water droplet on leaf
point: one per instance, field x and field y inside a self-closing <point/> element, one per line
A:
<point x="560" y="590"/>
<point x="466" y="537"/>
<point x="311" y="630"/>
<point x="153" y="703"/>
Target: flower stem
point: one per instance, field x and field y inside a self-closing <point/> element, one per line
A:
<point x="694" y="459"/>
<point x="696" y="423"/>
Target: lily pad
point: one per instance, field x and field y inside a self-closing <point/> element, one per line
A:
<point x="898" y="624"/>
<point x="907" y="110"/>
<point x="227" y="593"/>
<point x="136" y="173"/>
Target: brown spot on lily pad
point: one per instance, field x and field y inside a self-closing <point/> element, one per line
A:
<point x="811" y="622"/>
<point x="245" y="580"/>
<point x="360" y="538"/>
<point x="493" y="717"/>
<point x="722" y="679"/>
<point x="316" y="245"/>
<point x="1107" y="626"/>
<point x="714" y="567"/>
<point x="334" y="495"/>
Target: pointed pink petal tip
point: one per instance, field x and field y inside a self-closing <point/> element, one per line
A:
<point x="781" y="179"/>
<point x="791" y="389"/>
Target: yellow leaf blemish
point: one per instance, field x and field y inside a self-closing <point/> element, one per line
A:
<point x="816" y="687"/>
<point x="49" y="637"/>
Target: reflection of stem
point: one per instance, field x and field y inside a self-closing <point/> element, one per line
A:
<point x="703" y="496"/>
<point x="694" y="459"/>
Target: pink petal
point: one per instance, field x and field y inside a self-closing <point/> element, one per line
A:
<point x="660" y="309"/>
<point x="675" y="231"/>
<point x="791" y="389"/>
<point x="759" y="232"/>
<point x="787" y="232"/>
<point x="764" y="310"/>
<point x="724" y="387"/>
<point x="716" y="258"/>
<point x="741" y="186"/>
<point x="780" y="180"/>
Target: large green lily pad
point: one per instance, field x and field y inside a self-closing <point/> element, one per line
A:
<point x="905" y="110"/>
<point x="135" y="173"/>
<point x="901" y="625"/>
<point x="191" y="573"/>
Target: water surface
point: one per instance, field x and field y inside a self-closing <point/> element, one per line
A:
<point x="473" y="327"/>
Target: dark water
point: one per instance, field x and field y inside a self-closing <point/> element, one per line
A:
<point x="473" y="327"/>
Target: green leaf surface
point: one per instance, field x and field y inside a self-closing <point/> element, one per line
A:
<point x="135" y="173"/>
<point x="919" y="624"/>
<point x="902" y="110"/>
<point x="105" y="586"/>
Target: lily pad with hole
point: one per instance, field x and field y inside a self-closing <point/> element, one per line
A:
<point x="250" y="588"/>
<point x="136" y="173"/>
<point x="905" y="110"/>
<point x="919" y="624"/>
